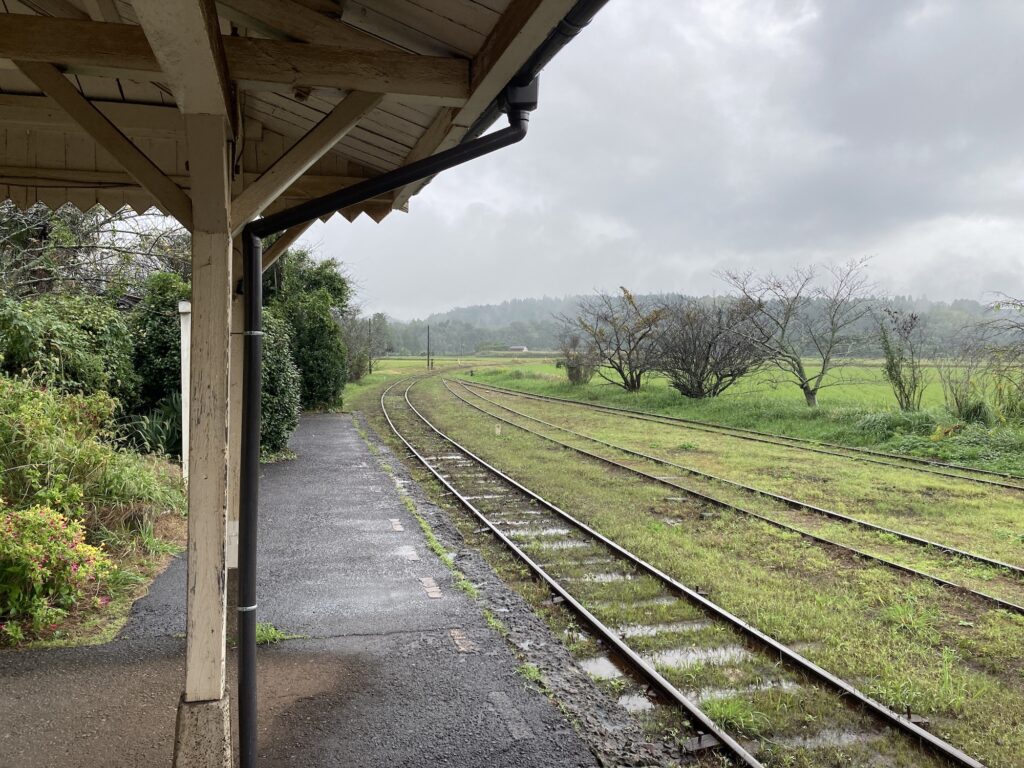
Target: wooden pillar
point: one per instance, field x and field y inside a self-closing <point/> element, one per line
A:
<point x="208" y="449"/>
<point x="235" y="416"/>
<point x="185" y="316"/>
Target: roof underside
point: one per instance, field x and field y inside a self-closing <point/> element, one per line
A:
<point x="437" y="63"/>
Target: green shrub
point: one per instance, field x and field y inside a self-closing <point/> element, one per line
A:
<point x="358" y="365"/>
<point x="46" y="568"/>
<point x="156" y="327"/>
<point x="319" y="348"/>
<point x="282" y="384"/>
<point x="55" y="451"/>
<point x="74" y="343"/>
<point x="883" y="425"/>
<point x="158" y="431"/>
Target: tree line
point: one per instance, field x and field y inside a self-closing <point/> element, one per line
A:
<point x="807" y="326"/>
<point x="89" y="304"/>
<point x="534" y="323"/>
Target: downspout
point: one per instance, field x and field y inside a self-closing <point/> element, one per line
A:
<point x="518" y="101"/>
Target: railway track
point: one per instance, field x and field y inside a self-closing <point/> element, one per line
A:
<point x="685" y="633"/>
<point x="1007" y="480"/>
<point x="1014" y="574"/>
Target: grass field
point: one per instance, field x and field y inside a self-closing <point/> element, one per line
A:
<point x="898" y="637"/>
<point x="860" y="412"/>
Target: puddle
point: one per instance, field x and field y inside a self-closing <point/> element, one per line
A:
<point x="605" y="578"/>
<point x="650" y="630"/>
<point x="687" y="657"/>
<point x="407" y="553"/>
<point x="563" y="544"/>
<point x="518" y="522"/>
<point x="589" y="561"/>
<point x="830" y="737"/>
<point x="600" y="667"/>
<point x="539" y="532"/>
<point x="707" y="694"/>
<point x="647" y="602"/>
<point x="635" y="702"/>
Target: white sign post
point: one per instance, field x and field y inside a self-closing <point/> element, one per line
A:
<point x="185" y="313"/>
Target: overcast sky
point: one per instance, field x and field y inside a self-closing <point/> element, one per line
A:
<point x="678" y="137"/>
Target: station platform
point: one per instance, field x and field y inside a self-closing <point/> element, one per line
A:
<point x="395" y="666"/>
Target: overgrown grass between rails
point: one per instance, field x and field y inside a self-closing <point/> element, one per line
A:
<point x="943" y="656"/>
<point x="957" y="512"/>
<point x="860" y="413"/>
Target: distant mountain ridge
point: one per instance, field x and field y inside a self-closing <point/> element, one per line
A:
<point x="508" y="312"/>
<point x="533" y="323"/>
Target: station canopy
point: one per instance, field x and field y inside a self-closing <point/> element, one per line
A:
<point x="320" y="94"/>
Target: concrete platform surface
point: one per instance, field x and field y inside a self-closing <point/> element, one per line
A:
<point x="386" y="674"/>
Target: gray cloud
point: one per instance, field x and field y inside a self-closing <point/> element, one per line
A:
<point x="677" y="138"/>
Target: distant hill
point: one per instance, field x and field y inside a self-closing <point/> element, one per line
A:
<point x="509" y="312"/>
<point x="532" y="323"/>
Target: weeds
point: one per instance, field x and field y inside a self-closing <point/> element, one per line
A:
<point x="268" y="634"/>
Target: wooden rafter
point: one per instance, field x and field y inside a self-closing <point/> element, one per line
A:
<point x="186" y="41"/>
<point x="305" y="187"/>
<point x="168" y="194"/>
<point x="122" y="50"/>
<point x="103" y="10"/>
<point x="522" y="27"/>
<point x="297" y="160"/>
<point x="133" y="119"/>
<point x="289" y="236"/>
<point x="298" y="22"/>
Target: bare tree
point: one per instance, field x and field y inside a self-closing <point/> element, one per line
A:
<point x="964" y="373"/>
<point x="902" y="336"/>
<point x="66" y="250"/>
<point x="623" y="331"/>
<point x="579" y="357"/>
<point x="378" y="339"/>
<point x="707" y="345"/>
<point x="1006" y="357"/>
<point x="799" y="317"/>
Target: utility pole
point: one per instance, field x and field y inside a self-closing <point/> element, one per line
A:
<point x="428" y="348"/>
<point x="369" y="345"/>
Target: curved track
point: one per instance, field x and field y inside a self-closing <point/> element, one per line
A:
<point x="792" y="503"/>
<point x="899" y="461"/>
<point x="499" y="502"/>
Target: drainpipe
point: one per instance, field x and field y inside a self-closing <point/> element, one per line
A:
<point x="518" y="102"/>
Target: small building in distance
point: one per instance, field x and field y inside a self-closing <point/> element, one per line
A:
<point x="518" y="349"/>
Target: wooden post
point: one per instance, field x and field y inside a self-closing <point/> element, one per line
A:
<point x="211" y="326"/>
<point x="185" y="315"/>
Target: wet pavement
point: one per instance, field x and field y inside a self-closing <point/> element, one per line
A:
<point x="397" y="667"/>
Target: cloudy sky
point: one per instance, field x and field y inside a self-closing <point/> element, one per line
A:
<point x="679" y="137"/>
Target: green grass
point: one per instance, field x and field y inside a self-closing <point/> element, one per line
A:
<point x="899" y="638"/>
<point x="532" y="674"/>
<point x="268" y="634"/>
<point x="859" y="413"/>
<point x="977" y="518"/>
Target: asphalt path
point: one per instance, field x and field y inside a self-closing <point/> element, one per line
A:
<point x="395" y="667"/>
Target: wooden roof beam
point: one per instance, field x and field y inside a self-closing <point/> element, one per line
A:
<point x="299" y="22"/>
<point x="305" y="187"/>
<point x="289" y="236"/>
<point x="297" y="160"/>
<point x="522" y="27"/>
<point x="122" y="50"/>
<point x="185" y="38"/>
<point x="150" y="120"/>
<point x="103" y="10"/>
<point x="168" y="194"/>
